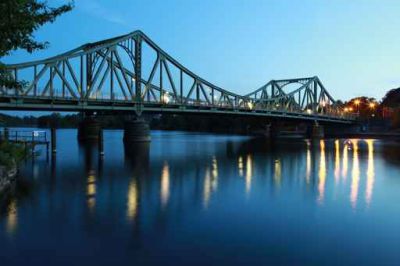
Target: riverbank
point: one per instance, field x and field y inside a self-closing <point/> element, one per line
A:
<point x="11" y="155"/>
<point x="7" y="181"/>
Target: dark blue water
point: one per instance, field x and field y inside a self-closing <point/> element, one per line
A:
<point x="193" y="199"/>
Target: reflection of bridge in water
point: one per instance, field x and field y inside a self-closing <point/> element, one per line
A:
<point x="160" y="184"/>
<point x="131" y="74"/>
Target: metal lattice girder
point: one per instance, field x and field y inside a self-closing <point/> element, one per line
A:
<point x="134" y="71"/>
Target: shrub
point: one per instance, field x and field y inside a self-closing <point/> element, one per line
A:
<point x="11" y="154"/>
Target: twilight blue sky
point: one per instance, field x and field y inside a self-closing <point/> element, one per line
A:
<point x="353" y="46"/>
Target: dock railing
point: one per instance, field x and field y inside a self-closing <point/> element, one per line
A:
<point x="24" y="136"/>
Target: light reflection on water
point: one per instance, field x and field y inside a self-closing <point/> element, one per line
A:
<point x="337" y="161"/>
<point x="345" y="161"/>
<point x="322" y="172"/>
<point x="355" y="175"/>
<point x="240" y="165"/>
<point x="12" y="217"/>
<point x="165" y="184"/>
<point x="91" y="190"/>
<point x="249" y="173"/>
<point x="308" y="163"/>
<point x="370" y="172"/>
<point x="169" y="199"/>
<point x="132" y="200"/>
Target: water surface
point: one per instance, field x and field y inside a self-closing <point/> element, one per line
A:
<point x="196" y="199"/>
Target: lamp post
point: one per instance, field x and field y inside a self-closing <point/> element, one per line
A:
<point x="372" y="107"/>
<point x="357" y="104"/>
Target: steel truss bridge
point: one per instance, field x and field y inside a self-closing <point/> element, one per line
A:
<point x="131" y="73"/>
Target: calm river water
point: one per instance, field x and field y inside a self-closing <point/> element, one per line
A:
<point x="197" y="199"/>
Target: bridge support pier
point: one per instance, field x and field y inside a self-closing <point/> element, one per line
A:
<point x="268" y="131"/>
<point x="89" y="129"/>
<point x="101" y="144"/>
<point x="136" y="130"/>
<point x="53" y="140"/>
<point x="317" y="131"/>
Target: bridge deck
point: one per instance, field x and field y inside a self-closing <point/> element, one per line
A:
<point x="108" y="106"/>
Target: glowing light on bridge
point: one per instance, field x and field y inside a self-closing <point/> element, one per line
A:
<point x="250" y="105"/>
<point x="370" y="172"/>
<point x="166" y="98"/>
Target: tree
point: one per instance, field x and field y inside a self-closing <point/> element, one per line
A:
<point x="18" y="21"/>
<point x="363" y="106"/>
<point x="391" y="107"/>
<point x="392" y="98"/>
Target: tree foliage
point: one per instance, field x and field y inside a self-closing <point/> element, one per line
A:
<point x="363" y="106"/>
<point x="11" y="154"/>
<point x="18" y="21"/>
<point x="392" y="98"/>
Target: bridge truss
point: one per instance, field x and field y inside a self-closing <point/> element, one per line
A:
<point x="133" y="74"/>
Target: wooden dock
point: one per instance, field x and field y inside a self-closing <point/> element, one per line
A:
<point x="29" y="138"/>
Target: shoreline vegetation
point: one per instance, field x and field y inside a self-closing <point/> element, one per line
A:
<point x="11" y="155"/>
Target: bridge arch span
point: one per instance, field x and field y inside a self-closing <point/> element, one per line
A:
<point x="110" y="75"/>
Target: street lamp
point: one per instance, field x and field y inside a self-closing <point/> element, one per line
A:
<point x="372" y="105"/>
<point x="166" y="98"/>
<point x="357" y="103"/>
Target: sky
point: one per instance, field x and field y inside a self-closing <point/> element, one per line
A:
<point x="352" y="46"/>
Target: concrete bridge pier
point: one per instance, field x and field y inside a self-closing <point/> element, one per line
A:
<point x="136" y="130"/>
<point x="89" y="129"/>
<point x="268" y="131"/>
<point x="317" y="131"/>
